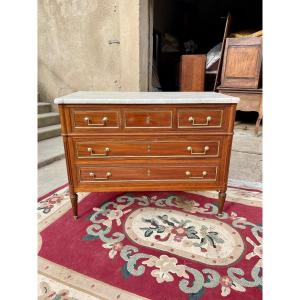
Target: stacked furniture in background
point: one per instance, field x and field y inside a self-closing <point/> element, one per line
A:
<point x="241" y="73"/>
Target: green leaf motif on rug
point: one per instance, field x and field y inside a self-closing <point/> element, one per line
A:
<point x="89" y="216"/>
<point x="148" y="232"/>
<point x="125" y="271"/>
<point x="90" y="237"/>
<point x="197" y="295"/>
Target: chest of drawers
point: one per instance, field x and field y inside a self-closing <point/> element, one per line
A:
<point x="147" y="141"/>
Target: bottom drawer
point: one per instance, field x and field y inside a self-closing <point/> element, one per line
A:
<point x="144" y="173"/>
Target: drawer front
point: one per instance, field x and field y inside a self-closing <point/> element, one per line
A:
<point x="106" y="149"/>
<point x="147" y="173"/>
<point x="96" y="119"/>
<point x="199" y="118"/>
<point x="148" y="119"/>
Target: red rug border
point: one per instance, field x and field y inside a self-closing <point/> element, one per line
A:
<point x="52" y="192"/>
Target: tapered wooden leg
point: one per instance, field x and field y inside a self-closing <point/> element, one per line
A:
<point x="222" y="197"/>
<point x="74" y="201"/>
<point x="258" y="121"/>
<point x="257" y="125"/>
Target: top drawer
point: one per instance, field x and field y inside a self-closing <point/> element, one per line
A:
<point x="148" y="118"/>
<point x="201" y="118"/>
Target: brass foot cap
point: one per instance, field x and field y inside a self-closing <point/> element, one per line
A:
<point x="75" y="217"/>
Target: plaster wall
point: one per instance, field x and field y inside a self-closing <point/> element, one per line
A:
<point x="134" y="37"/>
<point x="91" y="45"/>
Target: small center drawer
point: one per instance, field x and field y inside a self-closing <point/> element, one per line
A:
<point x="148" y="119"/>
<point x="138" y="173"/>
<point x="95" y="119"/>
<point x="200" y="118"/>
<point x="105" y="149"/>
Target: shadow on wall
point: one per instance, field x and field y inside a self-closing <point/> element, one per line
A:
<point x="56" y="84"/>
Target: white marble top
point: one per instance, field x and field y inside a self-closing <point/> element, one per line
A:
<point x="145" y="98"/>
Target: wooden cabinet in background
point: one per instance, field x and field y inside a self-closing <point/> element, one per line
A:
<point x="192" y="72"/>
<point x="241" y="74"/>
<point x="242" y="63"/>
<point x="250" y="100"/>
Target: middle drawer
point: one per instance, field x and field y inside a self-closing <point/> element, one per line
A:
<point x="85" y="149"/>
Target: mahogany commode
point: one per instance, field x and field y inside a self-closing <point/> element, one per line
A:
<point x="147" y="141"/>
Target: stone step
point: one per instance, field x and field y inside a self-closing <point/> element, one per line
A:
<point x="48" y="132"/>
<point x="50" y="150"/>
<point x="44" y="107"/>
<point x="47" y="119"/>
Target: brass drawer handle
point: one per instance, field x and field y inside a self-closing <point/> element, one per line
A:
<point x="189" y="148"/>
<point x="189" y="174"/>
<point x="192" y="120"/>
<point x="89" y="123"/>
<point x="106" y="150"/>
<point x="108" y="174"/>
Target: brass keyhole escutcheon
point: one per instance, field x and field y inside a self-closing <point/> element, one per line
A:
<point x="149" y="148"/>
<point x="148" y="172"/>
<point x="148" y="120"/>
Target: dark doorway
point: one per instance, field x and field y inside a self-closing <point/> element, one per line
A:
<point x="192" y="26"/>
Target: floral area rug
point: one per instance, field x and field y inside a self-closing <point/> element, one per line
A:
<point x="151" y="245"/>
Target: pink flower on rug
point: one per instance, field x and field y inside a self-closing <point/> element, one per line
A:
<point x="56" y="198"/>
<point x="49" y="203"/>
<point x="179" y="232"/>
<point x="115" y="248"/>
<point x="113" y="215"/>
<point x="227" y="284"/>
<point x="153" y="199"/>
